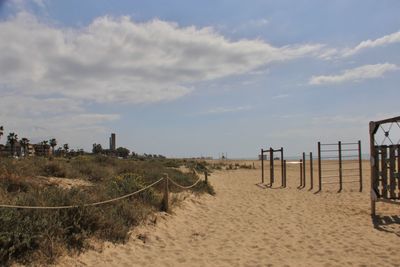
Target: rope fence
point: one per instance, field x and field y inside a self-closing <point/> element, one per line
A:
<point x="165" y="198"/>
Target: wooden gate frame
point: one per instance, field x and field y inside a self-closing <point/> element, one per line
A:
<point x="375" y="174"/>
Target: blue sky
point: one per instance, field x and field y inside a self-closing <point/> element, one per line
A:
<point x="192" y="78"/>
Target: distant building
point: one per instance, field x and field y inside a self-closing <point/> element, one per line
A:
<point x="112" y="142"/>
<point x="42" y="150"/>
<point x="31" y="150"/>
<point x="264" y="157"/>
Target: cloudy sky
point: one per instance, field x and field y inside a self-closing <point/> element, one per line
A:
<point x="192" y="78"/>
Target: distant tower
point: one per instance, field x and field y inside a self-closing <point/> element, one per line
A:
<point x="112" y="142"/>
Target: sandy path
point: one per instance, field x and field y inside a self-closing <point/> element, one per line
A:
<point x="244" y="225"/>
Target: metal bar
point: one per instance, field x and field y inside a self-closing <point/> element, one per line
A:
<point x="346" y="144"/>
<point x="271" y="166"/>
<point x="282" y="168"/>
<point x="348" y="149"/>
<point x="329" y="150"/>
<point x="392" y="170"/>
<point x="330" y="157"/>
<point x="351" y="161"/>
<point x="360" y="164"/>
<point x="301" y="173"/>
<point x="340" y="166"/>
<point x="351" y="156"/>
<point x="304" y="169"/>
<point x="262" y="166"/>
<point x="311" y="172"/>
<point x="284" y="172"/>
<point x="328" y="144"/>
<point x="319" y="168"/>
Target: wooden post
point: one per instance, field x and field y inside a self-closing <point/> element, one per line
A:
<point x="262" y="166"/>
<point x="374" y="165"/>
<point x="206" y="177"/>
<point x="360" y="164"/>
<point x="319" y="168"/>
<point x="304" y="169"/>
<point x="311" y="172"/>
<point x="340" y="166"/>
<point x="374" y="162"/>
<point x="271" y="166"/>
<point x="398" y="170"/>
<point x="165" y="203"/>
<point x="392" y="171"/>
<point x="384" y="171"/>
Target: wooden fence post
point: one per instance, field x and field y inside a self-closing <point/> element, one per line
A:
<point x="205" y="177"/>
<point x="374" y="163"/>
<point x="165" y="203"/>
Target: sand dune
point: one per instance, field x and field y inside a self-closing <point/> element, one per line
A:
<point x="244" y="225"/>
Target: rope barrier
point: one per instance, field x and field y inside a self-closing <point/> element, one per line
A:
<point x="84" y="205"/>
<point x="184" y="187"/>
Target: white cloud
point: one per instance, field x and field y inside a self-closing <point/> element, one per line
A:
<point x="280" y="96"/>
<point x="50" y="76"/>
<point x="220" y="110"/>
<point x="337" y="53"/>
<point x="356" y="74"/>
<point x="251" y="24"/>
<point x="382" y="41"/>
<point x="119" y="60"/>
<point x="40" y="3"/>
<point x="40" y="119"/>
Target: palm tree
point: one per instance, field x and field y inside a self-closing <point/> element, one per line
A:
<point x="66" y="148"/>
<point x="53" y="143"/>
<point x="24" y="142"/>
<point x="12" y="139"/>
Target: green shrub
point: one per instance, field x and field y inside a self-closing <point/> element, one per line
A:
<point x="54" y="169"/>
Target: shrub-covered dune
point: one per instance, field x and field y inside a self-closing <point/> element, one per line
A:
<point x="31" y="235"/>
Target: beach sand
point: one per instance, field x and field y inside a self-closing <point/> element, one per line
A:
<point x="245" y="225"/>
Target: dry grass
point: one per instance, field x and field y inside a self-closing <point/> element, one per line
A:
<point x="42" y="235"/>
